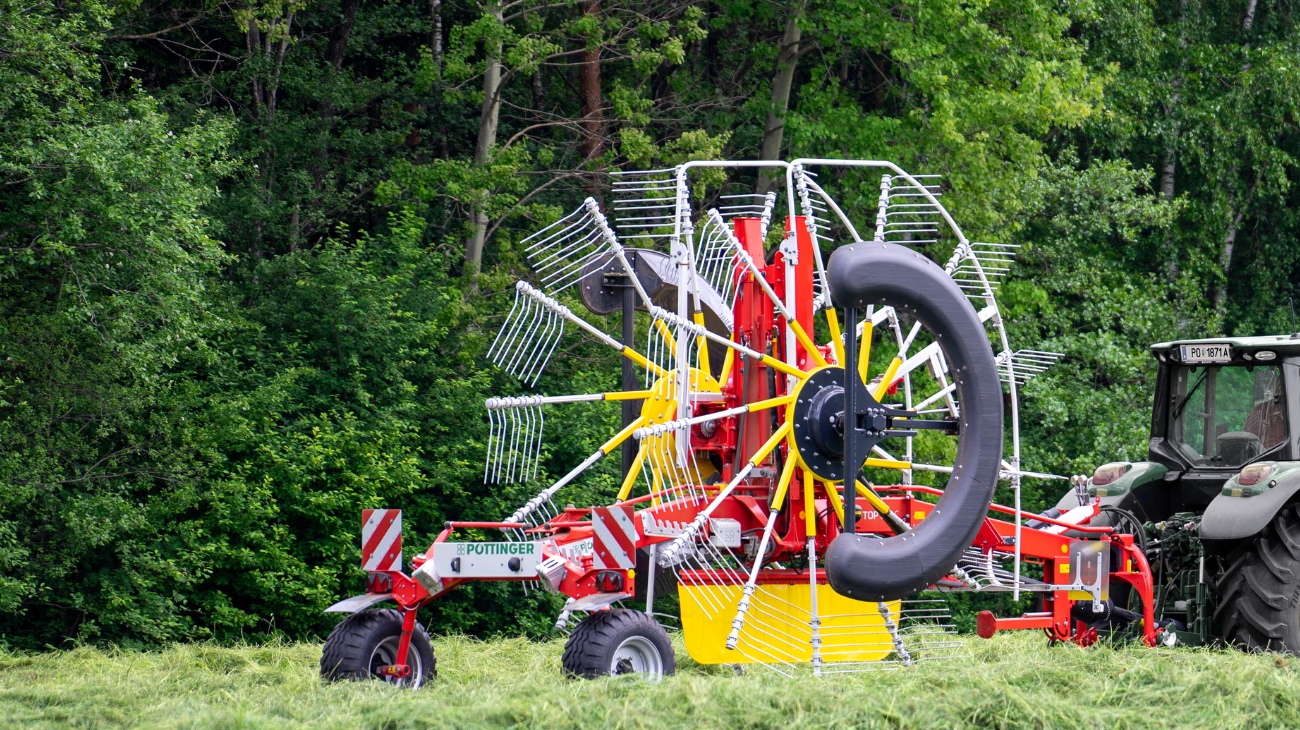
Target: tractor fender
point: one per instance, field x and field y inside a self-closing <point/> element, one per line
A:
<point x="1129" y="492"/>
<point x="1231" y="517"/>
<point x="871" y="568"/>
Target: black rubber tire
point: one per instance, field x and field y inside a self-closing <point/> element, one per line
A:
<point x="591" y="649"/>
<point x="1259" y="592"/>
<point x="361" y="643"/>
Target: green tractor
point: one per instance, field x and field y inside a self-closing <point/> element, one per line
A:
<point x="1217" y="504"/>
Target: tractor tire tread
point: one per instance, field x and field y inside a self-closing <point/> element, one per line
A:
<point x="1259" y="591"/>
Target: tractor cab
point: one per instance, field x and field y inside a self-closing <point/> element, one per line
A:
<point x="1221" y="405"/>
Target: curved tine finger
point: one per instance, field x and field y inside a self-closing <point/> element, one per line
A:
<point x="547" y="253"/>
<point x="534" y="443"/>
<point x="504" y="343"/>
<point x="524" y="341"/>
<point x="525" y="439"/>
<point x="498" y="446"/>
<point x="507" y="435"/>
<point x="560" y="267"/>
<point x="546" y="342"/>
<point x="537" y="446"/>
<point x="498" y="451"/>
<point x="509" y="320"/>
<point x="510" y="339"/>
<point x="562" y="222"/>
<point x="487" y="465"/>
<point x="527" y="452"/>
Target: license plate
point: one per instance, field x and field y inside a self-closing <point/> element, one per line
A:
<point x="1193" y="354"/>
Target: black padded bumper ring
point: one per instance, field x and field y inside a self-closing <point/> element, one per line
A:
<point x="870" y="568"/>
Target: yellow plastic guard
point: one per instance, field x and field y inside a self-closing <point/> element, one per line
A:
<point x="776" y="625"/>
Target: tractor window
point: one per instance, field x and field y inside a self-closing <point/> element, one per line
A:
<point x="1227" y="416"/>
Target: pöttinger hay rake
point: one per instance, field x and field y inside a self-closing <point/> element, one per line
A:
<point x="790" y="403"/>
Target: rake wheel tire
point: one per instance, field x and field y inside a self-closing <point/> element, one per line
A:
<point x="618" y="642"/>
<point x="1259" y="592"/>
<point x="367" y="640"/>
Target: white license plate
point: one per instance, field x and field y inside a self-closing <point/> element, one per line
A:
<point x="487" y="559"/>
<point x="1193" y="354"/>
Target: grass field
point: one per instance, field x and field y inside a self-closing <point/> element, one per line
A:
<point x="1010" y="681"/>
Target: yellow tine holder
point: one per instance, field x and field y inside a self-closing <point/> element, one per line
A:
<point x="809" y="506"/>
<point x="632" y="473"/>
<point x="897" y="523"/>
<point x="887" y="378"/>
<point x="807" y="342"/>
<point x="833" y="496"/>
<point x="864" y="350"/>
<point x="702" y="345"/>
<point x="727" y="361"/>
<point x="837" y="341"/>
<point x="668" y="336"/>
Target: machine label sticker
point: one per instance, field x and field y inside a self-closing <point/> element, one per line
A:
<point x="487" y="559"/>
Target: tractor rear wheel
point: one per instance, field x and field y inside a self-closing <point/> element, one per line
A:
<point x="619" y="642"/>
<point x="365" y="642"/>
<point x="1259" y="593"/>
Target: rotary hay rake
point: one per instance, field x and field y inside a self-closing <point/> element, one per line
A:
<point x="770" y="477"/>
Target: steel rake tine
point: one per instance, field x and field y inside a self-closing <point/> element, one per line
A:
<point x="522" y="304"/>
<point x="492" y="438"/>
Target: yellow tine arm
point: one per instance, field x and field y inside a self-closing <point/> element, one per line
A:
<point x="702" y="345"/>
<point x="807" y="342"/>
<point x="626" y="490"/>
<point x="837" y="343"/>
<point x="888" y="463"/>
<point x="727" y="361"/>
<point x="783" y="485"/>
<point x="834" y="496"/>
<point x="772" y="442"/>
<point x="896" y="522"/>
<point x="641" y="360"/>
<point x="864" y="350"/>
<point x="809" y="506"/>
<point x="629" y="395"/>
<point x="772" y="362"/>
<point x="887" y="378"/>
<point x="667" y="335"/>
<point x="623" y="435"/>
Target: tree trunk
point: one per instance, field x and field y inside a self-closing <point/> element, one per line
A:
<point x="339" y="40"/>
<point x="253" y="41"/>
<point x="593" y="125"/>
<point x="1229" y="241"/>
<point x="435" y="37"/>
<point x="487" y="137"/>
<point x="786" y="61"/>
<point x="1235" y="219"/>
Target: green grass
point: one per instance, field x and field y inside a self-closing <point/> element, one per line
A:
<point x="1011" y="681"/>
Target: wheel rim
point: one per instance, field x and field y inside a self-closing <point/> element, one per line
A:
<point x="637" y="655"/>
<point x="385" y="654"/>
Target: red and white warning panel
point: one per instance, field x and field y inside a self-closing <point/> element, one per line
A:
<point x="615" y="537"/>
<point x="381" y="539"/>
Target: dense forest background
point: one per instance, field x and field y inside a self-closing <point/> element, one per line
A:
<point x="252" y="251"/>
